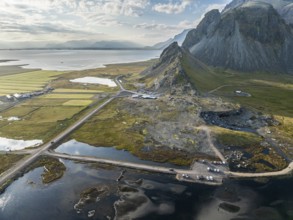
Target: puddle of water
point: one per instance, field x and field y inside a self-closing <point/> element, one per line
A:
<point x="12" y="144"/>
<point x="13" y="119"/>
<point x="95" y="80"/>
<point x="77" y="148"/>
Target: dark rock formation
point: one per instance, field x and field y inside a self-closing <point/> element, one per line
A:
<point x="167" y="74"/>
<point x="251" y="37"/>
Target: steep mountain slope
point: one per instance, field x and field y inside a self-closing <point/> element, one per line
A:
<point x="167" y="75"/>
<point x="284" y="7"/>
<point x="251" y="37"/>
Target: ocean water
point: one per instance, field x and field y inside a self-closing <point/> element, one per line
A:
<point x="73" y="59"/>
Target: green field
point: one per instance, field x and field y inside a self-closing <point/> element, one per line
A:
<point x="270" y="93"/>
<point x="76" y="91"/>
<point x="26" y="82"/>
<point x="77" y="103"/>
<point x="7" y="161"/>
<point x="68" y="96"/>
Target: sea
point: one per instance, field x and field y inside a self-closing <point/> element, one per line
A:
<point x="64" y="60"/>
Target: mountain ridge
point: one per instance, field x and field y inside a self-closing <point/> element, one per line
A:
<point x="251" y="37"/>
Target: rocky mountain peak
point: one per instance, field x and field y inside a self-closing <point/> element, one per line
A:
<point x="170" y="53"/>
<point x="250" y="37"/>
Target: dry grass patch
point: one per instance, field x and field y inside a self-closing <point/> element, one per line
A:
<point x="76" y="91"/>
<point x="77" y="103"/>
<point x="68" y="96"/>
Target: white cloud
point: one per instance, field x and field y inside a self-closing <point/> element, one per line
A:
<point x="114" y="7"/>
<point x="172" y="8"/>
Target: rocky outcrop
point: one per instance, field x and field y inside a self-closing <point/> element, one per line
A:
<point x="251" y="37"/>
<point x="284" y="7"/>
<point x="167" y="75"/>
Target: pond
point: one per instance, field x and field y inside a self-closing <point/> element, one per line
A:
<point x="74" y="147"/>
<point x="7" y="144"/>
<point x="95" y="80"/>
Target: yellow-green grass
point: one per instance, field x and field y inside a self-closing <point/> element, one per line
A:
<point x="33" y="76"/>
<point x="236" y="138"/>
<point x="18" y="87"/>
<point x="14" y="83"/>
<point x="18" y="111"/>
<point x="76" y="91"/>
<point x="8" y="160"/>
<point x="39" y="102"/>
<point x="53" y="114"/>
<point x="77" y="103"/>
<point x="26" y="82"/>
<point x="68" y="96"/>
<point x="12" y="91"/>
<point x="38" y="122"/>
<point x="271" y="93"/>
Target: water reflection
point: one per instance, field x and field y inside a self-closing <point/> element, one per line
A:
<point x="140" y="195"/>
<point x="77" y="148"/>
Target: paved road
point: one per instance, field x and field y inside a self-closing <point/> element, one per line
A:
<point x="4" y="177"/>
<point x="283" y="172"/>
<point x="180" y="173"/>
<point x="152" y="168"/>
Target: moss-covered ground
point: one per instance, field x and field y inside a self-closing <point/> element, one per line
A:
<point x="8" y="160"/>
<point x="53" y="168"/>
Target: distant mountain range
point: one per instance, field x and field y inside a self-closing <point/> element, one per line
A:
<point x="246" y="36"/>
<point x="81" y="44"/>
<point x="179" y="38"/>
<point x="90" y="44"/>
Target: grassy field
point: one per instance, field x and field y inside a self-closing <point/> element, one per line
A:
<point x="76" y="91"/>
<point x="68" y="96"/>
<point x="77" y="103"/>
<point x="8" y="160"/>
<point x="26" y="82"/>
<point x="270" y="93"/>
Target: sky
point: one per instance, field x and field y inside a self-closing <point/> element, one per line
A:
<point x="142" y="21"/>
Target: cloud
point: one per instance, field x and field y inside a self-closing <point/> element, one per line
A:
<point x="114" y="7"/>
<point x="172" y="8"/>
<point x="157" y="26"/>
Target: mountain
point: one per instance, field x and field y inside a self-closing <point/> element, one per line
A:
<point x="250" y="37"/>
<point x="179" y="38"/>
<point x="284" y="7"/>
<point x="79" y="44"/>
<point x="168" y="75"/>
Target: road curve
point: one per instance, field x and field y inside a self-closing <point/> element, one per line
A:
<point x="283" y="172"/>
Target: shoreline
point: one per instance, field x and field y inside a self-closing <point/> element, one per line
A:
<point x="61" y="62"/>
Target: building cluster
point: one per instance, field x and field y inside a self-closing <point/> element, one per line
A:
<point x="20" y="96"/>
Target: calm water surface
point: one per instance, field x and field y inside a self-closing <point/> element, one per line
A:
<point x="74" y="59"/>
<point x="82" y="149"/>
<point x="142" y="196"/>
